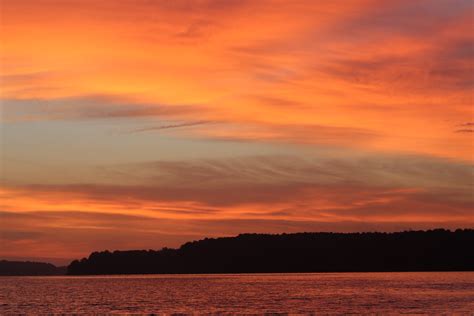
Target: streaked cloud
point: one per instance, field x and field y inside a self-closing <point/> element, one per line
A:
<point x="342" y="64"/>
<point x="393" y="187"/>
<point x="191" y="118"/>
<point x="171" y="126"/>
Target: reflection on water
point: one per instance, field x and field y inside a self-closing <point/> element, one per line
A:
<point x="336" y="293"/>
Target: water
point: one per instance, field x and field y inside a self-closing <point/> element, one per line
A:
<point x="324" y="293"/>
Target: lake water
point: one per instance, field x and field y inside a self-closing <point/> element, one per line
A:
<point x="327" y="293"/>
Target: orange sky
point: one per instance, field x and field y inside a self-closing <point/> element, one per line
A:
<point x="202" y="118"/>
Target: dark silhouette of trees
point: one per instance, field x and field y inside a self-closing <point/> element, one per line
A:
<point x="29" y="268"/>
<point x="432" y="250"/>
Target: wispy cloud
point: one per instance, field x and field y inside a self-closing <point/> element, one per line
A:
<point x="90" y="107"/>
<point x="171" y="126"/>
<point x="383" y="83"/>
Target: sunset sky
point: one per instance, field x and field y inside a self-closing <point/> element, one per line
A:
<point x="142" y="124"/>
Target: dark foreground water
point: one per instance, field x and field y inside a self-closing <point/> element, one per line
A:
<point x="327" y="293"/>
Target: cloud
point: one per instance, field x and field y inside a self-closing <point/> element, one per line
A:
<point x="289" y="133"/>
<point x="89" y="107"/>
<point x="20" y="235"/>
<point x="467" y="128"/>
<point x="329" y="167"/>
<point x="446" y="66"/>
<point x="23" y="78"/>
<point x="265" y="185"/>
<point x="306" y="77"/>
<point x="197" y="30"/>
<point x="75" y="234"/>
<point x="404" y="17"/>
<point x="299" y="72"/>
<point x="171" y="126"/>
<point x="176" y="201"/>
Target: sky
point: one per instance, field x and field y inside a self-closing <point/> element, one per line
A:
<point x="143" y="124"/>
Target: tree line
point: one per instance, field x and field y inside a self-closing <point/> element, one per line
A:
<point x="432" y="250"/>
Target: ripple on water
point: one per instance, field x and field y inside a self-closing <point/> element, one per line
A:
<point x="329" y="293"/>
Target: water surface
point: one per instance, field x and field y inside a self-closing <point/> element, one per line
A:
<point x="328" y="293"/>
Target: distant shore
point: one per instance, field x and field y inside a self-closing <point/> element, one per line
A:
<point x="29" y="268"/>
<point x="411" y="251"/>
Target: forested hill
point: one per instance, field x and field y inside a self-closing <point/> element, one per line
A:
<point x="432" y="250"/>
